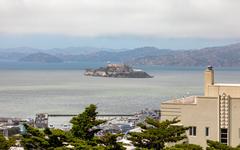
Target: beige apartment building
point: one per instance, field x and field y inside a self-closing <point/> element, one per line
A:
<point x="214" y="116"/>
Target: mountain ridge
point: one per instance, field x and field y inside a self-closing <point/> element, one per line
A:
<point x="41" y="57"/>
<point x="222" y="56"/>
<point x="219" y="56"/>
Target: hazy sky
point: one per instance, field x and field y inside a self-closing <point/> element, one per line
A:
<point x="119" y="23"/>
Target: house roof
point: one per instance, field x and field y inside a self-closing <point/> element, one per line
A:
<point x="184" y="100"/>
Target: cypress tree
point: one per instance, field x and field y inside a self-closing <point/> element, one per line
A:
<point x="155" y="134"/>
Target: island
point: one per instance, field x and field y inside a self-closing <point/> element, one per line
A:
<point x="117" y="71"/>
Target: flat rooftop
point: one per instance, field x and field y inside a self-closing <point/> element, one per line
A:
<point x="226" y="84"/>
<point x="184" y="100"/>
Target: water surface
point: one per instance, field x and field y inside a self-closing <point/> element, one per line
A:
<point x="25" y="92"/>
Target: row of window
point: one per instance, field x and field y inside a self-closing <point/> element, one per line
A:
<point x="193" y="131"/>
<point x="223" y="133"/>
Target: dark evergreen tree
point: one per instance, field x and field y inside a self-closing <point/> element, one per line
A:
<point x="110" y="141"/>
<point x="214" y="145"/>
<point x="84" y="125"/>
<point x="34" y="139"/>
<point x="56" y="137"/>
<point x="155" y="134"/>
<point x="81" y="136"/>
<point x="184" y="147"/>
<point x="4" y="143"/>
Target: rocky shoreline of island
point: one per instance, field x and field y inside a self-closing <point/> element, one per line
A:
<point x="117" y="71"/>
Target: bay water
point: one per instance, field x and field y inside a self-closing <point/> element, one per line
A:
<point x="25" y="91"/>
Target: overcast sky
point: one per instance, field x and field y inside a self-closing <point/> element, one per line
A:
<point x="214" y="20"/>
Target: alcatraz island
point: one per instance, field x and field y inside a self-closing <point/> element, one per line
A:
<point x="117" y="71"/>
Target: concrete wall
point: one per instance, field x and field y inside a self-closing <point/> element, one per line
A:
<point x="206" y="112"/>
<point x="170" y="111"/>
<point x="208" y="80"/>
<point x="216" y="90"/>
<point x="203" y="114"/>
<point x="212" y="89"/>
<point x="235" y="122"/>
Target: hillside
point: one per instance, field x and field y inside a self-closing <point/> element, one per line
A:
<point x="41" y="57"/>
<point x="226" y="56"/>
<point x="122" y="56"/>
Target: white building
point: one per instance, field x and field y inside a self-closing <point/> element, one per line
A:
<point x="214" y="116"/>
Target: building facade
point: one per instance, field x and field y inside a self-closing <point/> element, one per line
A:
<point x="41" y="120"/>
<point x="214" y="116"/>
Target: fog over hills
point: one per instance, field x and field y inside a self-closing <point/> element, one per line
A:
<point x="224" y="56"/>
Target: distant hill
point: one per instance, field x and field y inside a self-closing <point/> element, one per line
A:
<point x="68" y="53"/>
<point x="225" y="56"/>
<point x="122" y="56"/>
<point x="41" y="57"/>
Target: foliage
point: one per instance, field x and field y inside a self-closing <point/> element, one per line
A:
<point x="110" y="141"/>
<point x="56" y="137"/>
<point x="51" y="139"/>
<point x="84" y="123"/>
<point x="155" y="134"/>
<point x="34" y="139"/>
<point x="46" y="139"/>
<point x="4" y="143"/>
<point x="214" y="145"/>
<point x="184" y="147"/>
<point x="81" y="136"/>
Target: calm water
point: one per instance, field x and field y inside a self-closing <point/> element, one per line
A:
<point x="25" y="92"/>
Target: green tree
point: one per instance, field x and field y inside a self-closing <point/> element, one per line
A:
<point x="155" y="134"/>
<point x="34" y="139"/>
<point x="81" y="136"/>
<point x="110" y="141"/>
<point x="84" y="129"/>
<point x="55" y="137"/>
<point x="214" y="145"/>
<point x="4" y="143"/>
<point x="84" y="125"/>
<point x="184" y="147"/>
<point x="44" y="139"/>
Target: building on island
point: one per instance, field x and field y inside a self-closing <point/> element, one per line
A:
<point x="214" y="116"/>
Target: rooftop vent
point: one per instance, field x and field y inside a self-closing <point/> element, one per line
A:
<point x="210" y="67"/>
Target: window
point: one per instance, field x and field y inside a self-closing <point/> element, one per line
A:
<point x="207" y="131"/>
<point x="224" y="136"/>
<point x="192" y="130"/>
<point x="239" y="132"/>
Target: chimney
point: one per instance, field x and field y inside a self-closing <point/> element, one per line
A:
<point x="208" y="79"/>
